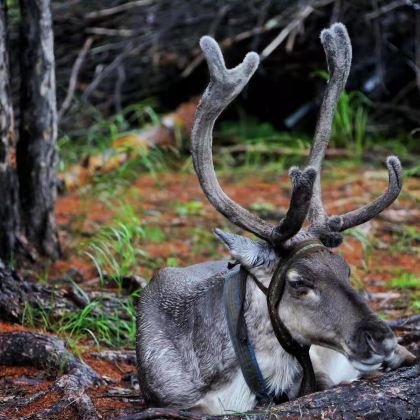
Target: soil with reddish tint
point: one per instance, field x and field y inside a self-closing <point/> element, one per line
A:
<point x="172" y="203"/>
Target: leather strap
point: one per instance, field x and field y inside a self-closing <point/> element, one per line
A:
<point x="234" y="298"/>
<point x="275" y="293"/>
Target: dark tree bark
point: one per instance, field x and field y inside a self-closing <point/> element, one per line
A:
<point x="36" y="148"/>
<point x="9" y="214"/>
<point x="391" y="396"/>
<point x="394" y="395"/>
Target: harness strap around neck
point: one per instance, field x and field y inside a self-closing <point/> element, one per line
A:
<point x="234" y="298"/>
<point x="275" y="293"/>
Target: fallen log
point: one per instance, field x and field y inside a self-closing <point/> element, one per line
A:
<point x="403" y="322"/>
<point x="161" y="413"/>
<point x="393" y="395"/>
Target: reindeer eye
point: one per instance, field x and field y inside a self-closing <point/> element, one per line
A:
<point x="300" y="284"/>
<point x="296" y="284"/>
<point x="297" y="281"/>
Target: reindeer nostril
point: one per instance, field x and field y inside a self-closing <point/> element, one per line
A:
<point x="373" y="344"/>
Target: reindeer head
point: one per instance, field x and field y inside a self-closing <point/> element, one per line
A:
<point x="318" y="304"/>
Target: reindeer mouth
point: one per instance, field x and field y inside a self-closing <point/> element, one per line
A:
<point x="374" y="363"/>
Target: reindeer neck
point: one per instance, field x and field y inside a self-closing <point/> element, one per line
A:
<point x="281" y="370"/>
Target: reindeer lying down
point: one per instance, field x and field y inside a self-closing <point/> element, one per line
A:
<point x="208" y="344"/>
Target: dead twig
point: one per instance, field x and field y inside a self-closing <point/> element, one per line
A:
<point x="397" y="323"/>
<point x="118" y="87"/>
<point x="128" y="50"/>
<point x="276" y="42"/>
<point x="74" y="75"/>
<point x="126" y="356"/>
<point x="385" y="9"/>
<point x="111" y="32"/>
<point x="118" y="9"/>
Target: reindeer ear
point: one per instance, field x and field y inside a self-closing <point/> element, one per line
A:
<point x="248" y="252"/>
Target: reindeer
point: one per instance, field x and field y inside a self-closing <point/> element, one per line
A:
<point x="288" y="304"/>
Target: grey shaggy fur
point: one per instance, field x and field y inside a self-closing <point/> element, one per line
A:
<point x="183" y="339"/>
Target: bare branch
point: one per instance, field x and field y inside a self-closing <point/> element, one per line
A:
<point x="276" y="42"/>
<point x="73" y="77"/>
<point x="117" y="9"/>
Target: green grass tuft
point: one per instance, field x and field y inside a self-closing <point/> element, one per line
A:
<point x="405" y="281"/>
<point x="351" y="121"/>
<point x="114" y="327"/>
<point x="190" y="208"/>
<point x="97" y="138"/>
<point x="115" y="251"/>
<point x="406" y="241"/>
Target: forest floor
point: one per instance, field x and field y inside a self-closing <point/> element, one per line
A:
<point x="114" y="235"/>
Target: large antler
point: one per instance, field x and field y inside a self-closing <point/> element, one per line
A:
<point x="225" y="84"/>
<point x="338" y="52"/>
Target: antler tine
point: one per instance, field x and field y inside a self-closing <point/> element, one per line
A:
<point x="225" y="84"/>
<point x="369" y="211"/>
<point x="338" y="51"/>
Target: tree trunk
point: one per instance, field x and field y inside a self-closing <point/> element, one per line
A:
<point x="36" y="149"/>
<point x="9" y="214"/>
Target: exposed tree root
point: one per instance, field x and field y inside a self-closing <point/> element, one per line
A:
<point x="402" y="323"/>
<point x="50" y="354"/>
<point x="127" y="356"/>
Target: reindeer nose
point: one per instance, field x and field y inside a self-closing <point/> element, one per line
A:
<point x="374" y="344"/>
<point x="380" y="339"/>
